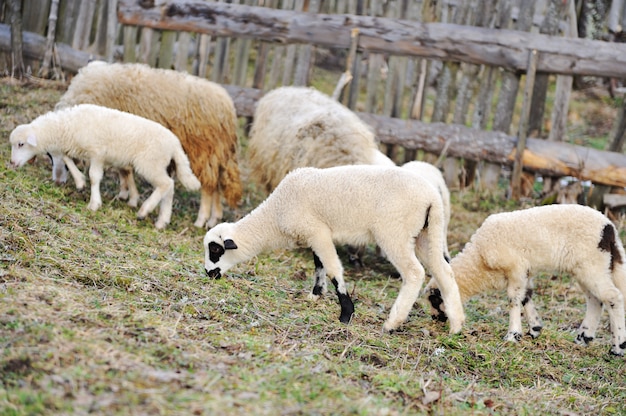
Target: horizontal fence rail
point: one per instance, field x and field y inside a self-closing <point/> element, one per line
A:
<point x="448" y="42"/>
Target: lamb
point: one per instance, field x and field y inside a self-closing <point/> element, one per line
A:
<point x="316" y="208"/>
<point x="509" y="248"/>
<point x="107" y="137"/>
<point x="199" y="112"/>
<point x="298" y="127"/>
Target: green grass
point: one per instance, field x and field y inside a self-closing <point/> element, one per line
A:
<point x="101" y="313"/>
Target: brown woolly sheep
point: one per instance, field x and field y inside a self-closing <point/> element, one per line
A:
<point x="199" y="112"/>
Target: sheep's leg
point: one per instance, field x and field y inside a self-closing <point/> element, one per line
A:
<point x="79" y="178"/>
<point x="217" y="211"/>
<point x="204" y="212"/>
<point x="589" y="326"/>
<point x="355" y="255"/>
<point x="165" y="209"/>
<point x="613" y="300"/>
<point x="320" y="285"/>
<point x="451" y="296"/>
<point x="516" y="291"/>
<point x="531" y="314"/>
<point x="59" y="170"/>
<point x="324" y="249"/>
<point x="123" y="177"/>
<point x="412" y="274"/>
<point x="431" y="250"/>
<point x="128" y="188"/>
<point x="96" y="171"/>
<point x="162" y="186"/>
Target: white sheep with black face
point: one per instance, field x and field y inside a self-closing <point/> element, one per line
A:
<point x="107" y="137"/>
<point x="302" y="127"/>
<point x="356" y="205"/>
<point x="509" y="248"/>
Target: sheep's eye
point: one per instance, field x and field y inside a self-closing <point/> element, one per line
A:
<point x="215" y="251"/>
<point x="215" y="248"/>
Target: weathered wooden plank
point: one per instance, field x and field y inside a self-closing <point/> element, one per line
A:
<point x="166" y="50"/>
<point x="516" y="177"/>
<point x="505" y="48"/>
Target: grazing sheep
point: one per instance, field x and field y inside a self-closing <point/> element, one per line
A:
<point x="298" y="127"/>
<point x="348" y="205"/>
<point x="199" y="112"/>
<point x="107" y="137"/>
<point x="509" y="248"/>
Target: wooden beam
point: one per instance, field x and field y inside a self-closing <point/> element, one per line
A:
<point x="448" y="42"/>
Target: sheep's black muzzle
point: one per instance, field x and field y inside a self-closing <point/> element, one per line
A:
<point x="213" y="274"/>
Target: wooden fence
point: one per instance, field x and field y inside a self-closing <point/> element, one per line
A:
<point x="446" y="79"/>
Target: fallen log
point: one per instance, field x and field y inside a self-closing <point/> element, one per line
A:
<point x="34" y="47"/>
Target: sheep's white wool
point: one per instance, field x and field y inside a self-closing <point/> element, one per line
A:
<point x="298" y="127"/>
<point x="107" y="137"/>
<point x="433" y="175"/>
<point x="509" y="248"/>
<point x="199" y="112"/>
<point x="347" y="205"/>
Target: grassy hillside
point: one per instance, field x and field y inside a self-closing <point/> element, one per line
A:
<point x="100" y="313"/>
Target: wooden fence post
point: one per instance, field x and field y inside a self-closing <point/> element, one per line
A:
<point x="516" y="179"/>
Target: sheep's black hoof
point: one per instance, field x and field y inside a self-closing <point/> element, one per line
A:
<point x="441" y="317"/>
<point x="318" y="290"/>
<point x="347" y="308"/>
<point x="616" y="352"/>
<point x="345" y="318"/>
<point x="436" y="301"/>
<point x="535" y="331"/>
<point x="582" y="339"/>
<point x="513" y="337"/>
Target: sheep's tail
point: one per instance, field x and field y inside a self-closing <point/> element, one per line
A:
<point x="611" y="243"/>
<point x="183" y="170"/>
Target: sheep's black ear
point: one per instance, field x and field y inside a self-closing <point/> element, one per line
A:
<point x="229" y="244"/>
